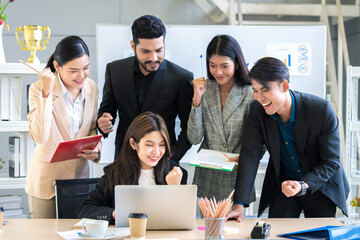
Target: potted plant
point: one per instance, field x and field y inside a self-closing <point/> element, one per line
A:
<point x="355" y="202"/>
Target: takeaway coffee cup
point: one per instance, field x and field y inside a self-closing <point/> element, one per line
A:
<point x="95" y="228"/>
<point x="137" y="223"/>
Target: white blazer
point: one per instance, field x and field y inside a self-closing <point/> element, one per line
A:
<point x="48" y="125"/>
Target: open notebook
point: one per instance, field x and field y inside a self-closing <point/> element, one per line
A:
<point x="213" y="159"/>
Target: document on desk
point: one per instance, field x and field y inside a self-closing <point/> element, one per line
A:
<point x="213" y="159"/>
<point x="113" y="232"/>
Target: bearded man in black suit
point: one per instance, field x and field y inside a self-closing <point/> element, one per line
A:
<point x="146" y="82"/>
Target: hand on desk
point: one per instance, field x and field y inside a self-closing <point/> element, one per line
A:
<point x="105" y="124"/>
<point x="174" y="176"/>
<point x="237" y="213"/>
<point x="291" y="188"/>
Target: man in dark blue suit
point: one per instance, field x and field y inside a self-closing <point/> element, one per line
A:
<point x="301" y="134"/>
<point x="146" y="82"/>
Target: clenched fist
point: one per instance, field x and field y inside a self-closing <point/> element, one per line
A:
<point x="47" y="80"/>
<point x="105" y="124"/>
<point x="199" y="85"/>
<point x="174" y="176"/>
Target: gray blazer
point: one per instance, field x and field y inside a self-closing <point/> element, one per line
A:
<point x="219" y="130"/>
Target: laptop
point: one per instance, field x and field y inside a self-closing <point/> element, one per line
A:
<point x="167" y="206"/>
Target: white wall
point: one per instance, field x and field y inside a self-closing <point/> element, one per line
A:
<point x="66" y="17"/>
<point x="79" y="17"/>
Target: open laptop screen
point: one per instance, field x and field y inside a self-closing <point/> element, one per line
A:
<point x="167" y="206"/>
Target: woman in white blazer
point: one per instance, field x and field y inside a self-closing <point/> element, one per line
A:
<point x="63" y="106"/>
<point x="219" y="112"/>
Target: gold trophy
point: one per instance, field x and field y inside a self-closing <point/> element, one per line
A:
<point x="33" y="38"/>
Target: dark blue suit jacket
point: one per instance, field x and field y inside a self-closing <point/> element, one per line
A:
<point x="318" y="147"/>
<point x="170" y="95"/>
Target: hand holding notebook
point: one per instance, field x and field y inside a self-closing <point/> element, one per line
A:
<point x="70" y="149"/>
<point x="214" y="159"/>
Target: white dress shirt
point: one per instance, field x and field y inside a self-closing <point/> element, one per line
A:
<point x="75" y="109"/>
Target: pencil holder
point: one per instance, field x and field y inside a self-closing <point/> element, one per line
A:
<point x="214" y="228"/>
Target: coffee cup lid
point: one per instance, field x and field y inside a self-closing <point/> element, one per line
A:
<point x="137" y="215"/>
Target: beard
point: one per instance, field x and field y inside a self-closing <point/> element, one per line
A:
<point x="145" y="66"/>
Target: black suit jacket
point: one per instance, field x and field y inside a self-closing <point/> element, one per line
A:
<point x="317" y="144"/>
<point x="170" y="94"/>
<point x="100" y="204"/>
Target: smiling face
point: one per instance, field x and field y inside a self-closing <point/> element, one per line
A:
<point x="223" y="69"/>
<point x="74" y="72"/>
<point x="275" y="99"/>
<point x="149" y="53"/>
<point x="150" y="149"/>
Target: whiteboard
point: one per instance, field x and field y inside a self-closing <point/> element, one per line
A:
<point x="302" y="48"/>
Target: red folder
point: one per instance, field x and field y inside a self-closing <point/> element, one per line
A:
<point x="70" y="149"/>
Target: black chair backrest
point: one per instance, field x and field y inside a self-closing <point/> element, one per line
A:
<point x="71" y="193"/>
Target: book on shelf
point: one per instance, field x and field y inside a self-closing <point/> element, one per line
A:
<point x="15" y="98"/>
<point x="10" y="201"/>
<point x="26" y="152"/>
<point x="22" y="153"/>
<point x="30" y="146"/>
<point x="4" y="98"/>
<point x="21" y="216"/>
<point x="27" y="98"/>
<point x="13" y="212"/>
<point x="9" y="198"/>
<point x="10" y="205"/>
<point x="14" y="156"/>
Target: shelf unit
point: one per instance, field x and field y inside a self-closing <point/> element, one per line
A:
<point x="7" y="182"/>
<point x="352" y="130"/>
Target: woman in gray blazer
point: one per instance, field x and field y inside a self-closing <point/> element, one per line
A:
<point x="219" y="112"/>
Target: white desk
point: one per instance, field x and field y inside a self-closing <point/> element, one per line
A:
<point x="41" y="229"/>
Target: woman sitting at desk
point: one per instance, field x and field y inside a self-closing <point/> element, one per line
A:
<point x="143" y="160"/>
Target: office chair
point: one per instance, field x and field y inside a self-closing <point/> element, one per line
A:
<point x="69" y="194"/>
